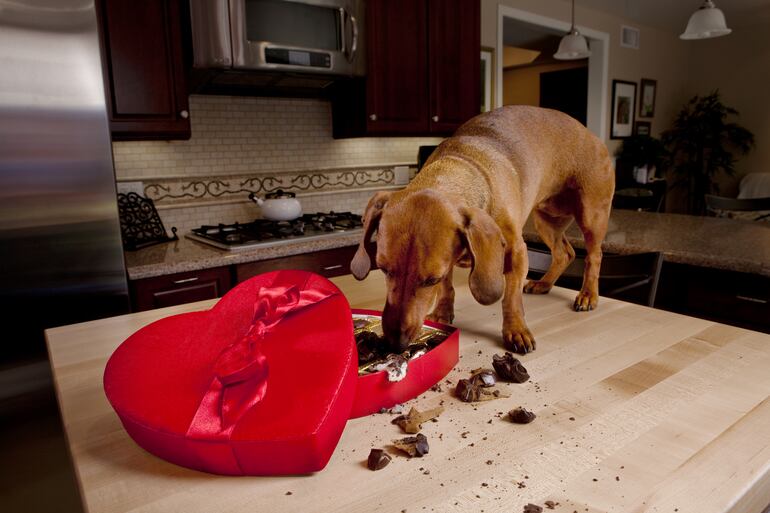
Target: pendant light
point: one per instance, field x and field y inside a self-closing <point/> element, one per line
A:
<point x="706" y="22"/>
<point x="573" y="45"/>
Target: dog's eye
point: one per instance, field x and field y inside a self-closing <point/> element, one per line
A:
<point x="430" y="282"/>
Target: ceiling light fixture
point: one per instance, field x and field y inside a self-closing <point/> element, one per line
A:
<point x="573" y="45"/>
<point x="706" y="22"/>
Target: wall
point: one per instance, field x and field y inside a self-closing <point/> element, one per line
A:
<point x="662" y="56"/>
<point x="521" y="86"/>
<point x="241" y="145"/>
<point x="739" y="66"/>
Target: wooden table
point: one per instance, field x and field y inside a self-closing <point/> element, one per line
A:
<point x="638" y="410"/>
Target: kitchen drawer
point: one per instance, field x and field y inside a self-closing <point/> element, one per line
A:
<point x="327" y="263"/>
<point x="177" y="289"/>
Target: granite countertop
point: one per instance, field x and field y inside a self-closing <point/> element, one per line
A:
<point x="718" y="243"/>
<point x="186" y="255"/>
<point x="701" y="241"/>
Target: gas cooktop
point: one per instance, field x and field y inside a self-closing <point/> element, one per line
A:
<point x="264" y="233"/>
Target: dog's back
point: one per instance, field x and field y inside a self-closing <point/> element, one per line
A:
<point x="521" y="148"/>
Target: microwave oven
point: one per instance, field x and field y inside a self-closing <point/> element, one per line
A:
<point x="310" y="36"/>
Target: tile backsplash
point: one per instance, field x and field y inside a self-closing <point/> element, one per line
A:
<point x="244" y="144"/>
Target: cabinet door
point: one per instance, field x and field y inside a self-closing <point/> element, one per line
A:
<point x="143" y="68"/>
<point x="328" y="263"/>
<point x="454" y="55"/>
<point x="177" y="289"/>
<point x="396" y="86"/>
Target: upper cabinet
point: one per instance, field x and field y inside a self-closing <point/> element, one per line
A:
<point x="144" y="69"/>
<point x="423" y="75"/>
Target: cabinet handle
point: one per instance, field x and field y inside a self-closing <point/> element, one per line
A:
<point x="185" y="280"/>
<point x="753" y="299"/>
<point x="373" y="117"/>
<point x="332" y="267"/>
<point x="435" y="119"/>
<point x="184" y="114"/>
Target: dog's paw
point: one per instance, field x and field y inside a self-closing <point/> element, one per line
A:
<point x="585" y="301"/>
<point x="537" y="287"/>
<point x="519" y="341"/>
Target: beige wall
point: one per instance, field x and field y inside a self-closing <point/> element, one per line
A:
<point x="521" y="86"/>
<point x="739" y="66"/>
<point x="662" y="55"/>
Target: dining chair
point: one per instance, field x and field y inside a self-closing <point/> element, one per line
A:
<point x="631" y="277"/>
<point x="718" y="204"/>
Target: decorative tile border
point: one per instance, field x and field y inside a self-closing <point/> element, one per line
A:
<point x="203" y="190"/>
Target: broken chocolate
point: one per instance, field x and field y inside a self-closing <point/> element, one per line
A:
<point x="378" y="459"/>
<point x="509" y="368"/>
<point x="395" y="365"/>
<point x="532" y="508"/>
<point x="521" y="415"/>
<point x="470" y="391"/>
<point x="484" y="377"/>
<point x="551" y="504"/>
<point x="412" y="421"/>
<point x="413" y="445"/>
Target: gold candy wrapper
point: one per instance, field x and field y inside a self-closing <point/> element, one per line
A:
<point x="371" y="348"/>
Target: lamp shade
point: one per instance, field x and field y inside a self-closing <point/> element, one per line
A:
<point x="572" y="46"/>
<point x="706" y="22"/>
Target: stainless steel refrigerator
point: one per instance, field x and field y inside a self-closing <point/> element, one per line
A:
<point x="61" y="259"/>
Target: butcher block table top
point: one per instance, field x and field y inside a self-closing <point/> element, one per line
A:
<point x="637" y="410"/>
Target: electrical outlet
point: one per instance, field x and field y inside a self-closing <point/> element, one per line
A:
<point x="126" y="187"/>
<point x="401" y="175"/>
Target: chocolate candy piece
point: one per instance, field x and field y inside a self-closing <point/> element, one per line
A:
<point x="412" y="421"/>
<point x="413" y="445"/>
<point x="484" y="377"/>
<point x="378" y="459"/>
<point x="509" y="368"/>
<point x="521" y="416"/>
<point x="532" y="508"/>
<point x="468" y="391"/>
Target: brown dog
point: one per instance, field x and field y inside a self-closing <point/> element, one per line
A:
<point x="468" y="206"/>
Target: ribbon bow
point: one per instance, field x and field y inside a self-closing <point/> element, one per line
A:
<point x="241" y="369"/>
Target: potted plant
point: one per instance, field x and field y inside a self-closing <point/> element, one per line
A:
<point x="643" y="153"/>
<point x="701" y="144"/>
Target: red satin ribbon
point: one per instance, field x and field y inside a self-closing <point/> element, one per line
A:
<point x="241" y="369"/>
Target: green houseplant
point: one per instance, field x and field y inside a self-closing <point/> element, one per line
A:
<point x="701" y="144"/>
<point x="641" y="151"/>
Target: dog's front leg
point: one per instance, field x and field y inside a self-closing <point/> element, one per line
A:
<point x="444" y="311"/>
<point x="516" y="335"/>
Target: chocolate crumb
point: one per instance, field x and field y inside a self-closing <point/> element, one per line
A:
<point x="572" y="418"/>
<point x="378" y="459"/>
<point x="288" y="493"/>
<point x="521" y="415"/>
<point x="551" y="504"/>
<point x="489" y="462"/>
<point x="509" y="368"/>
<point x="413" y="445"/>
<point x="532" y="508"/>
<point x="595" y="480"/>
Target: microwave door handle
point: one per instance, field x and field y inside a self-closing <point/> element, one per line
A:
<point x="343" y="24"/>
<point x="351" y="53"/>
<point x="354" y="43"/>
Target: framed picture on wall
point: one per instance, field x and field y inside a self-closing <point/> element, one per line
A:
<point x="642" y="128"/>
<point x="623" y="103"/>
<point x="487" y="78"/>
<point x="647" y="98"/>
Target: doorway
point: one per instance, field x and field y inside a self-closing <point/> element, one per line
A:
<point x="529" y="75"/>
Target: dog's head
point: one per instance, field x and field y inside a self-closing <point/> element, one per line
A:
<point x="420" y="237"/>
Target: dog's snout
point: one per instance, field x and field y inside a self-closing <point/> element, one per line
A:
<point x="397" y="330"/>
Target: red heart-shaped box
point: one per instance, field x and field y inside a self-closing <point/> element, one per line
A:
<point x="275" y="408"/>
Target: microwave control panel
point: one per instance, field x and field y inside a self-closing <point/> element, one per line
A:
<point x="298" y="57"/>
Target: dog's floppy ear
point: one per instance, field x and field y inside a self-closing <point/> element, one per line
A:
<point x="486" y="246"/>
<point x="361" y="262"/>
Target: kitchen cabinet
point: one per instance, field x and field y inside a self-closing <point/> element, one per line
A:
<point x="423" y="75"/>
<point x="143" y="69"/>
<point x="740" y="299"/>
<point x="328" y="263"/>
<point x="180" y="288"/>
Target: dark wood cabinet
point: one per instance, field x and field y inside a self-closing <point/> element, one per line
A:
<point x="423" y="70"/>
<point x="143" y="69"/>
<point x="180" y="288"/>
<point x="328" y="263"/>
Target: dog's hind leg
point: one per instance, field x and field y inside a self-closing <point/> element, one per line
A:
<point x="444" y="311"/>
<point x="551" y="230"/>
<point x="592" y="220"/>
